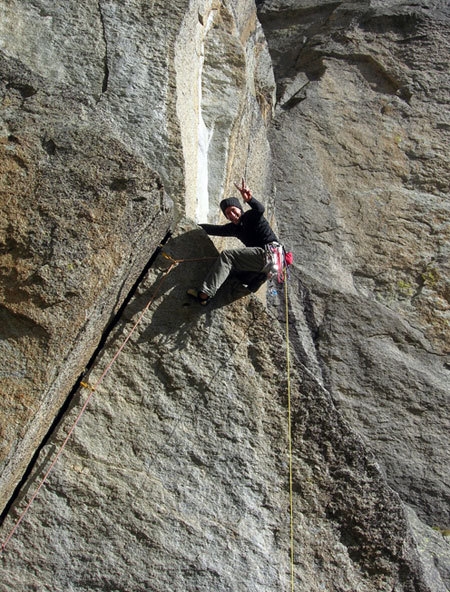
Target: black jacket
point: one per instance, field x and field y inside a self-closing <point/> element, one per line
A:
<point x="252" y="229"/>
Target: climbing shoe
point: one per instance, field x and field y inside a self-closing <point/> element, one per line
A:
<point x="257" y="282"/>
<point x="194" y="293"/>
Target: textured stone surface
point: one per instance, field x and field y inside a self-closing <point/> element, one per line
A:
<point x="83" y="206"/>
<point x="177" y="475"/>
<point x="225" y="94"/>
<point x="360" y="147"/>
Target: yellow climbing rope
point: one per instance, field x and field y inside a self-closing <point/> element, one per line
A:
<point x="288" y="373"/>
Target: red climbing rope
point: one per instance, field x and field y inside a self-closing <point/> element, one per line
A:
<point x="92" y="388"/>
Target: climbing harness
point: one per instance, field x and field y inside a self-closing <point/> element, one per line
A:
<point x="277" y="261"/>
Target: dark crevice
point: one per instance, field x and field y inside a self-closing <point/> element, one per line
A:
<point x="105" y="58"/>
<point x="25" y="90"/>
<point x="49" y="146"/>
<point x="296" y="98"/>
<point x="67" y="403"/>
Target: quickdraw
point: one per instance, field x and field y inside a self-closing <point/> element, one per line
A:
<point x="277" y="261"/>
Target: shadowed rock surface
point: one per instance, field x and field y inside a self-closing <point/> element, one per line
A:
<point x="360" y="150"/>
<point x="119" y="121"/>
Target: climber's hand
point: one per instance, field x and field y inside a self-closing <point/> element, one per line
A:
<point x="244" y="190"/>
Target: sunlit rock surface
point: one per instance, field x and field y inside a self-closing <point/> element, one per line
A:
<point x="120" y="120"/>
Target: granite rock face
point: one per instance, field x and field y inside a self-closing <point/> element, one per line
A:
<point x="83" y="206"/>
<point x="120" y="120"/>
<point x="177" y="476"/>
<point x="360" y="150"/>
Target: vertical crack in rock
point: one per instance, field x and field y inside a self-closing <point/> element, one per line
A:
<point x="67" y="403"/>
<point x="105" y="58"/>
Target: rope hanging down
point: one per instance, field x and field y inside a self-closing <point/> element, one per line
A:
<point x="92" y="388"/>
<point x="288" y="374"/>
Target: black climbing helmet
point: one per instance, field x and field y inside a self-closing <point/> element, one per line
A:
<point x="228" y="202"/>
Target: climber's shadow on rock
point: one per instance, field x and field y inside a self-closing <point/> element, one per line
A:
<point x="170" y="315"/>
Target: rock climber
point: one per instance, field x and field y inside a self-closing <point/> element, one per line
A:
<point x="249" y="263"/>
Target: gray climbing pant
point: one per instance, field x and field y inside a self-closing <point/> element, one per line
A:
<point x="250" y="259"/>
